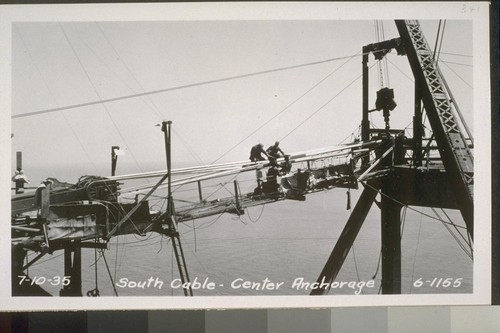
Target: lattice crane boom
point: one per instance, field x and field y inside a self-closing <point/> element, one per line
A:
<point x="453" y="148"/>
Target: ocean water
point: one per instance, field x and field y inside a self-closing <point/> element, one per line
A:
<point x="274" y="244"/>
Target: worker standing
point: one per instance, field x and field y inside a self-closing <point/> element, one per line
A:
<point x="256" y="153"/>
<point x="275" y="151"/>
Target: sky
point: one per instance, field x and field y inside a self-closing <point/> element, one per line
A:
<point x="58" y="64"/>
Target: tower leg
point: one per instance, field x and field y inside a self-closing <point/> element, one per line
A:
<point x="72" y="271"/>
<point x="391" y="245"/>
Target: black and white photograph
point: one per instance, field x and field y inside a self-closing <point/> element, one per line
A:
<point x="310" y="155"/>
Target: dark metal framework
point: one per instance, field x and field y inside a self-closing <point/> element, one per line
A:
<point x="451" y="187"/>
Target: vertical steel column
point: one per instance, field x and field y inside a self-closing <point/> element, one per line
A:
<point x="72" y="270"/>
<point x="166" y="128"/>
<point x="417" y="126"/>
<point x="19" y="167"/>
<point x="365" y="123"/>
<point x="391" y="242"/>
<point x="19" y="160"/>
<point x="391" y="230"/>
<point x="114" y="159"/>
<point x="170" y="216"/>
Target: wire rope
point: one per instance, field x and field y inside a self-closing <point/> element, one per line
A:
<point x="158" y="91"/>
<point x="413" y="209"/>
<point x="415" y="254"/>
<point x="285" y="108"/>
<point x="96" y="90"/>
<point x="53" y="96"/>
<point x="322" y="107"/>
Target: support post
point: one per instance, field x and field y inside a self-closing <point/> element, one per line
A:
<point x="417" y="126"/>
<point x="365" y="123"/>
<point x="19" y="160"/>
<point x="391" y="242"/>
<point x="72" y="270"/>
<point x="200" y="194"/>
<point x="237" y="197"/>
<point x="170" y="216"/>
<point x="114" y="159"/>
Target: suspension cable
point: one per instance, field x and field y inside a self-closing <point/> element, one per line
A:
<point x="158" y="91"/>
<point x="286" y="107"/>
<point x="322" y="106"/>
<point x="96" y="91"/>
<point x="53" y="96"/>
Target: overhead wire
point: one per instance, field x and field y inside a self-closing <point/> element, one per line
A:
<point x="158" y="91"/>
<point x="462" y="246"/>
<point x="416" y="251"/>
<point x="399" y="69"/>
<point x="413" y="209"/>
<point x="96" y="90"/>
<point x="457" y="54"/>
<point x="287" y="106"/>
<point x="188" y="147"/>
<point x="441" y="41"/>
<point x="129" y="70"/>
<point x="322" y="106"/>
<point x="455" y="63"/>
<point x="454" y="72"/>
<point x="53" y="96"/>
<point x="437" y="41"/>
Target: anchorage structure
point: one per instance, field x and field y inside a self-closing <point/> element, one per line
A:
<point x="447" y="183"/>
<point x="404" y="171"/>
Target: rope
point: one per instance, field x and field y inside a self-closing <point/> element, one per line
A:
<point x="404" y="74"/>
<point x="457" y="54"/>
<point x="454" y="63"/>
<point x="451" y="69"/>
<point x="53" y="97"/>
<point x="285" y="108"/>
<point x="102" y="101"/>
<point x="437" y="39"/>
<point x="378" y="265"/>
<point x="322" y="107"/>
<point x="454" y="236"/>
<point x="128" y="70"/>
<point x="441" y="41"/>
<point x="413" y="209"/>
<point x="96" y="91"/>
<point x="95" y="292"/>
<point x="403" y="220"/>
<point x="109" y="273"/>
<point x="258" y="218"/>
<point x="190" y="150"/>
<point x="415" y="255"/>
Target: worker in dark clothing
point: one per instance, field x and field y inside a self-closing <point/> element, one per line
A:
<point x="256" y="153"/>
<point x="275" y="151"/>
<point x="271" y="184"/>
<point x="286" y="166"/>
